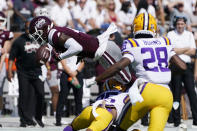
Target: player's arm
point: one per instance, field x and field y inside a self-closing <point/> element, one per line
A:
<point x="6" y="49"/>
<point x="72" y="46"/>
<point x="177" y="61"/>
<point x="112" y="70"/>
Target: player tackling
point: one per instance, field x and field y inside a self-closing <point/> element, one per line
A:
<point x="151" y="56"/>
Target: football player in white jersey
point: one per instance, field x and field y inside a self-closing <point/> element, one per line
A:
<point x="101" y="114"/>
<point x="150" y="92"/>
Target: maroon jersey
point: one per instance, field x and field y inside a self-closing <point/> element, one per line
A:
<point x="4" y="36"/>
<point x="89" y="43"/>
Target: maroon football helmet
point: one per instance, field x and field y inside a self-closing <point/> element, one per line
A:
<point x="39" y="28"/>
<point x="2" y="20"/>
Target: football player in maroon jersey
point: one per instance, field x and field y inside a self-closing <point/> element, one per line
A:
<point x="67" y="42"/>
<point x="5" y="37"/>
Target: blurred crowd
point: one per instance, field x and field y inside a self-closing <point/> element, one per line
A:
<point x="93" y="17"/>
<point x="86" y="15"/>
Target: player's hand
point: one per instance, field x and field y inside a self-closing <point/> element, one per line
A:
<point x="10" y="76"/>
<point x="56" y="55"/>
<point x="90" y="82"/>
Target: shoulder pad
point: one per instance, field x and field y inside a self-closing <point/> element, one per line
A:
<point x="167" y="40"/>
<point x="133" y="42"/>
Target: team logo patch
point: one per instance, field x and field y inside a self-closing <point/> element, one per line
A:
<point x="40" y="23"/>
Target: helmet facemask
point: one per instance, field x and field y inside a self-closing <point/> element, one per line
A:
<point x="40" y="36"/>
<point x="2" y="22"/>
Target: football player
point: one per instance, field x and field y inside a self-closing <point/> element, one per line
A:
<point x="72" y="42"/>
<point x="5" y="37"/>
<point x="151" y="56"/>
<point x="67" y="41"/>
<point x="101" y="114"/>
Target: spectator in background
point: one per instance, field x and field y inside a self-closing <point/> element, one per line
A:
<point x="160" y="16"/>
<point x="98" y="16"/>
<point x="126" y="16"/>
<point x="5" y="44"/>
<point x="6" y="5"/>
<point x="111" y="15"/>
<point x="70" y="69"/>
<point x="193" y="17"/>
<point x="31" y="88"/>
<point x="52" y="81"/>
<point x="184" y="46"/>
<point x="70" y="4"/>
<point x="23" y="10"/>
<point x="42" y="7"/>
<point x="60" y="15"/>
<point x="134" y="5"/>
<point x="146" y="6"/>
<point x="81" y="16"/>
<point x="177" y="9"/>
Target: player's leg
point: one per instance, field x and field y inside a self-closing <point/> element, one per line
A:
<point x="133" y="114"/>
<point x="82" y="121"/>
<point x="54" y="97"/>
<point x="158" y="118"/>
<point x="137" y="111"/>
<point x="160" y="104"/>
<point x="103" y="121"/>
<point x="87" y="120"/>
<point x="53" y="84"/>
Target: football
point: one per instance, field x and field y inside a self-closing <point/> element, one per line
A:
<point x="42" y="54"/>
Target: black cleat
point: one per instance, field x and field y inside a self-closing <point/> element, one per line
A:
<point x="58" y="124"/>
<point x="23" y="125"/>
<point x="40" y="123"/>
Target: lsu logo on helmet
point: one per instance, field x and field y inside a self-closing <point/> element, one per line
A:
<point x="145" y="23"/>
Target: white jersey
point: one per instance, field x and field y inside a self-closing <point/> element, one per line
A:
<point x="117" y="101"/>
<point x="151" y="56"/>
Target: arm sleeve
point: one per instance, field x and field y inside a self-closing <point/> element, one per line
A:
<point x="73" y="48"/>
<point x="10" y="36"/>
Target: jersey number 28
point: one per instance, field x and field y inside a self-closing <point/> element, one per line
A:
<point x="162" y="62"/>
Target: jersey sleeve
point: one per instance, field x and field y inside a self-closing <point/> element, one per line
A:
<point x="53" y="36"/>
<point x="169" y="46"/>
<point x="9" y="35"/>
<point x="126" y="50"/>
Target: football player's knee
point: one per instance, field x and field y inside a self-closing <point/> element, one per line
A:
<point x="86" y="113"/>
<point x="103" y="121"/>
<point x="54" y="90"/>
